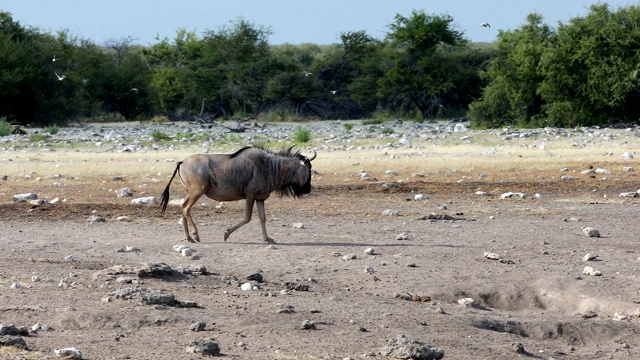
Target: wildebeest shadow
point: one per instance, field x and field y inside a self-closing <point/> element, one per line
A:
<point x="332" y="244"/>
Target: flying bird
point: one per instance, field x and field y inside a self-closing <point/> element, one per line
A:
<point x="306" y="73"/>
<point x="486" y="25"/>
<point x="333" y="92"/>
<point x="135" y="90"/>
<point x="60" y="77"/>
<point x="54" y="58"/>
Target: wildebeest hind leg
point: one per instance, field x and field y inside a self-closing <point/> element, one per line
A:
<point x="263" y="220"/>
<point x="187" y="220"/>
<point x="247" y="217"/>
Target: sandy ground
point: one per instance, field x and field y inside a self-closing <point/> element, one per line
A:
<point x="537" y="297"/>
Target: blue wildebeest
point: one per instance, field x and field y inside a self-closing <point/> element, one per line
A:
<point x="251" y="173"/>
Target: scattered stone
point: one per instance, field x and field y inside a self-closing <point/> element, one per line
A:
<point x="15" y="285"/>
<point x="193" y="269"/>
<point x="286" y="310"/>
<point x="38" y="202"/>
<point x="434" y="216"/>
<point x="124" y="218"/>
<point x="368" y="269"/>
<point x="308" y="325"/>
<point x="481" y="193"/>
<point x="619" y="317"/>
<point x="591" y="232"/>
<point x="627" y="155"/>
<point x="69" y="258"/>
<point x="204" y="347"/>
<point x="149" y="200"/>
<point x="24" y="197"/>
<point x="492" y="256"/>
<point x="349" y="257"/>
<point x="124" y="192"/>
<point x="602" y="171"/>
<point x="519" y="348"/>
<point x="248" y="286"/>
<point x="13" y="330"/>
<point x="96" y="218"/>
<point x="513" y="195"/>
<point x="150" y="269"/>
<point x="68" y="353"/>
<point x="590" y="257"/>
<point x="404" y="236"/>
<point x="125" y="280"/>
<point x="469" y="302"/>
<point x="369" y="251"/>
<point x="403" y="348"/>
<point x="186" y="252"/>
<point x="568" y="178"/>
<point x="629" y="194"/>
<point x="257" y="276"/>
<point x="390" y="212"/>
<point x="15" y="341"/>
<point x="35" y="278"/>
<point x="420" y="197"/>
<point x="627" y="169"/>
<point x="298" y="226"/>
<point x="147" y="297"/>
<point x="199" y="326"/>
<point x="588" y="270"/>
<point x="589" y="315"/>
<point x="289" y="286"/>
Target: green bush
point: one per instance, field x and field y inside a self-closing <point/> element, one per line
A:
<point x="51" y="129"/>
<point x="348" y="127"/>
<point x="387" y="130"/>
<point x="37" y="137"/>
<point x="302" y="134"/>
<point x="5" y="127"/>
<point x="159" y="135"/>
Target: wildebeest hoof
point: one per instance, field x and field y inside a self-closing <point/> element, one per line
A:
<point x="270" y="240"/>
<point x="190" y="239"/>
<point x="226" y="235"/>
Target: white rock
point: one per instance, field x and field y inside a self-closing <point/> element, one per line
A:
<point x="369" y="251"/>
<point x="568" y="178"/>
<point x="390" y="212"/>
<point x="591" y="232"/>
<point x="38" y="202"/>
<point x="24" y="197"/>
<point x="39" y="326"/>
<point x="513" y="195"/>
<point x="588" y="270"/>
<point x="459" y="127"/>
<point x="627" y="169"/>
<point x="349" y="257"/>
<point x="420" y="197"/>
<point x="619" y="317"/>
<point x="35" y="278"/>
<point x="298" y="226"/>
<point x="124" y="192"/>
<point x="124" y="218"/>
<point x="68" y="353"/>
<point x="627" y="155"/>
<point x="368" y="269"/>
<point x="590" y="257"/>
<point x="247" y="286"/>
<point x="16" y="285"/>
<point x="145" y="200"/>
<point x="69" y="258"/>
<point x="404" y="236"/>
<point x="628" y="194"/>
<point x="187" y="252"/>
<point x="602" y="171"/>
<point x="468" y="302"/>
<point x="481" y="193"/>
<point x="492" y="256"/>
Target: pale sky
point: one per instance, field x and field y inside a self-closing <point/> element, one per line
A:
<point x="292" y="21"/>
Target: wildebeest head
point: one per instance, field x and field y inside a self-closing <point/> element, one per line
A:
<point x="300" y="181"/>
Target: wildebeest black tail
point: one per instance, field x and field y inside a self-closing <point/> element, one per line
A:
<point x="164" y="201"/>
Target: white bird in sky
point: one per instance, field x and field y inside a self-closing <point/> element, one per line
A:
<point x="333" y="92"/>
<point x="54" y="58"/>
<point x="60" y="77"/>
<point x="484" y="24"/>
<point x="306" y="73"/>
<point x="135" y="90"/>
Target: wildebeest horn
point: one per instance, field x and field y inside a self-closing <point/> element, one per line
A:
<point x="314" y="155"/>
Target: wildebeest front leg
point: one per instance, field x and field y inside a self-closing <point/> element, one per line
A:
<point x="247" y="217"/>
<point x="263" y="220"/>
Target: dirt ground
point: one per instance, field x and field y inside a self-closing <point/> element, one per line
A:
<point x="537" y="297"/>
